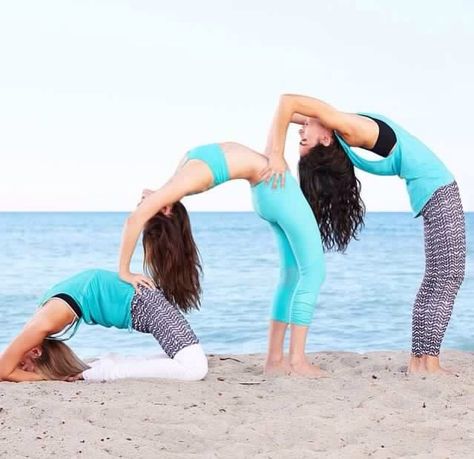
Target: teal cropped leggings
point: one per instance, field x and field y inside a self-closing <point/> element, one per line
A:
<point x="299" y="244"/>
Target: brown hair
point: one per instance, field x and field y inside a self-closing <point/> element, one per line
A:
<point x="332" y="189"/>
<point x="57" y="361"/>
<point x="172" y="258"/>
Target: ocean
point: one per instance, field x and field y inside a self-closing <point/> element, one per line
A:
<point x="364" y="304"/>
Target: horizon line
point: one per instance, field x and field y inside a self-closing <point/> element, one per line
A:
<point x="189" y="211"/>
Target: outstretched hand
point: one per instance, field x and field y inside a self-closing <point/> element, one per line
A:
<point x="276" y="169"/>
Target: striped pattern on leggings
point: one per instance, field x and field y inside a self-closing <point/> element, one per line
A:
<point x="445" y="253"/>
<point x="153" y="313"/>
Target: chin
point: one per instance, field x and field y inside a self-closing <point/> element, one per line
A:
<point x="303" y="151"/>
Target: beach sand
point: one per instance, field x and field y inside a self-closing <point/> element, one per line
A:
<point x="368" y="407"/>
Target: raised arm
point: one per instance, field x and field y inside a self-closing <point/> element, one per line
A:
<point x="357" y="130"/>
<point x="298" y="118"/>
<point x="193" y="177"/>
<point x="290" y="106"/>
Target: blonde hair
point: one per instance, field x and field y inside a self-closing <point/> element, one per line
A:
<point x="57" y="361"/>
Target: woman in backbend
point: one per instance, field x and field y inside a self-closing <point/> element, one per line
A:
<point x="98" y="297"/>
<point x="287" y="211"/>
<point x="328" y="182"/>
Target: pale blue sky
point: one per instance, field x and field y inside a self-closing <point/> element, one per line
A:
<point x="99" y="99"/>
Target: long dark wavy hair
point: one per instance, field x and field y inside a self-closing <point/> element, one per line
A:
<point x="172" y="259"/>
<point x="329" y="184"/>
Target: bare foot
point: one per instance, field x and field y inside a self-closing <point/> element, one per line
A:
<point x="277" y="368"/>
<point x="416" y="365"/>
<point x="432" y="366"/>
<point x="427" y="364"/>
<point x="307" y="370"/>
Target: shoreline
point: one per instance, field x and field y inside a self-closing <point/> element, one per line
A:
<point x="368" y="406"/>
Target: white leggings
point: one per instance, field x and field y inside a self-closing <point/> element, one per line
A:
<point x="189" y="364"/>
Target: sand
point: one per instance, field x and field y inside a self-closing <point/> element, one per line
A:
<point x="368" y="407"/>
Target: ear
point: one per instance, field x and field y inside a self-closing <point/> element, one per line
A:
<point x="167" y="210"/>
<point x="326" y="140"/>
<point x="36" y="352"/>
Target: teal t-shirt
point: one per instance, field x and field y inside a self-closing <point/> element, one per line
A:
<point x="103" y="297"/>
<point x="411" y="160"/>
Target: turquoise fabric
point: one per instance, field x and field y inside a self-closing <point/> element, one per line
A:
<point x="299" y="243"/>
<point x="411" y="160"/>
<point x="103" y="297"/>
<point x="214" y="157"/>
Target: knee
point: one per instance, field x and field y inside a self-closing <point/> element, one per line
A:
<point x="314" y="274"/>
<point x="451" y="281"/>
<point x="194" y="360"/>
<point x="200" y="369"/>
<point x="289" y="275"/>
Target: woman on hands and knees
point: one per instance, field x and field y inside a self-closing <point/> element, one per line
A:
<point x="99" y="297"/>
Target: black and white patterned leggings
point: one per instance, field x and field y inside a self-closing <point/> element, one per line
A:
<point x="445" y="253"/>
<point x="153" y="313"/>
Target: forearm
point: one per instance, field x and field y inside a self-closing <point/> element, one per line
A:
<point x="33" y="334"/>
<point x="306" y="106"/>
<point x="298" y="118"/>
<point x="18" y="375"/>
<point x="183" y="183"/>
<point x="130" y="234"/>
<point x="278" y="131"/>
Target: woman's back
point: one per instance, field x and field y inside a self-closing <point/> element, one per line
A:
<point x="103" y="298"/>
<point x="243" y="163"/>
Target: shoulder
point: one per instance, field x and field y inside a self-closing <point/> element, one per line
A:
<point x="358" y="130"/>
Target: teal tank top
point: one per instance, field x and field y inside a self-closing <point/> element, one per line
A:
<point x="214" y="157"/>
<point x="103" y="297"/>
<point x="411" y="160"/>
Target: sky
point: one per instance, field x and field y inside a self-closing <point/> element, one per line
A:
<point x="100" y="99"/>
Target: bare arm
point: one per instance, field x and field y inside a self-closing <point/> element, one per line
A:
<point x="293" y="107"/>
<point x="358" y="131"/>
<point x="51" y="318"/>
<point x="298" y="118"/>
<point x="18" y="375"/>
<point x="193" y="177"/>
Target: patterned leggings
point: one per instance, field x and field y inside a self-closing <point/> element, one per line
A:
<point x="153" y="313"/>
<point x="445" y="253"/>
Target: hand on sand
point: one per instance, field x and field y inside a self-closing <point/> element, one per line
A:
<point x="73" y="378"/>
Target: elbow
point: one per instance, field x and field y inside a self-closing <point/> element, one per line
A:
<point x="288" y="96"/>
<point x="287" y="100"/>
<point x="288" y="104"/>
